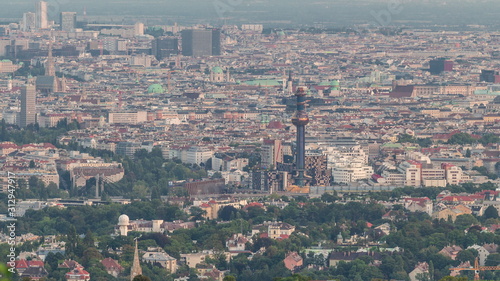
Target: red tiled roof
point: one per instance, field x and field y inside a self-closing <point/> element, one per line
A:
<point x="275" y="125"/>
<point x="457" y="198"/>
<point x="21" y="264"/>
<point x="8" y="145"/>
<point x="420" y="200"/>
<point x="110" y="263"/>
<point x="35" y="263"/>
<point x="254" y="204"/>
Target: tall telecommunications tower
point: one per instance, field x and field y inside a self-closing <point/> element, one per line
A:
<point x="300" y="120"/>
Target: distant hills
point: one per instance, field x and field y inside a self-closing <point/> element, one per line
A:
<point x="333" y="12"/>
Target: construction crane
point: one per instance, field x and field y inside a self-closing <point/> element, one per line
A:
<point x="476" y="268"/>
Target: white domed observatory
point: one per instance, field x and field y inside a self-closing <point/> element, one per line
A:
<point x="123" y="222"/>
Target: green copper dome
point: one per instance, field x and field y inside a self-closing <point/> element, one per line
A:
<point x="155" y="89"/>
<point x="335" y="85"/>
<point x="332" y="84"/>
<point x="217" y="70"/>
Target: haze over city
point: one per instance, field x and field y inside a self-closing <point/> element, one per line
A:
<point x="335" y="12"/>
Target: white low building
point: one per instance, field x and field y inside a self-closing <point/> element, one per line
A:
<point x="352" y="173"/>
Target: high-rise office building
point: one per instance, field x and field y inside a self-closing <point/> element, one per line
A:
<point x="28" y="105"/>
<point x="216" y="50"/>
<point x="440" y="65"/>
<point x="29" y="21"/>
<point x="67" y="21"/>
<point x="197" y="42"/>
<point x="490" y="76"/>
<point x="165" y="46"/>
<point x="42" y="20"/>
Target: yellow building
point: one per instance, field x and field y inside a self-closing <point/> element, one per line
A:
<point x="212" y="207"/>
<point x="452" y="213"/>
<point x="491" y="118"/>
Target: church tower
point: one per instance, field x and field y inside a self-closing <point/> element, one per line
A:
<point x="289" y="83"/>
<point x="49" y="66"/>
<point x="50" y="83"/>
<point x="136" y="266"/>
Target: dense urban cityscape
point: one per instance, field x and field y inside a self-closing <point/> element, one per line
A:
<point x="264" y="150"/>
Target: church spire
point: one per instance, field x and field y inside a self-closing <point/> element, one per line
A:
<point x="136" y="266"/>
<point x="49" y="66"/>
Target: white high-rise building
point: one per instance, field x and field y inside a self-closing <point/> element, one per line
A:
<point x="139" y="29"/>
<point x="352" y="173"/>
<point x="42" y="21"/>
<point x="29" y="21"/>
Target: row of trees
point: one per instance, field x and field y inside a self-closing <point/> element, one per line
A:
<point x="430" y="192"/>
<point x="422" y="142"/>
<point x="149" y="175"/>
<point x="464" y="138"/>
<point x="459" y="138"/>
<point x="316" y="220"/>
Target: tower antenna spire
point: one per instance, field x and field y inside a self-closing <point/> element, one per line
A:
<point x="49" y="68"/>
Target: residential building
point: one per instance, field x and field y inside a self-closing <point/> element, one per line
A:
<point x="162" y="259"/>
<point x="127" y="117"/>
<point x="112" y="267"/>
<point x="451" y="251"/>
<point x="198" y="155"/>
<point x="420" y="270"/>
<point x="236" y="243"/>
<point x="424" y="205"/>
<point x="293" y="261"/>
<point x="274" y="230"/>
<point x="271" y="153"/>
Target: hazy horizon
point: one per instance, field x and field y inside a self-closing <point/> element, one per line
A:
<point x="336" y="12"/>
